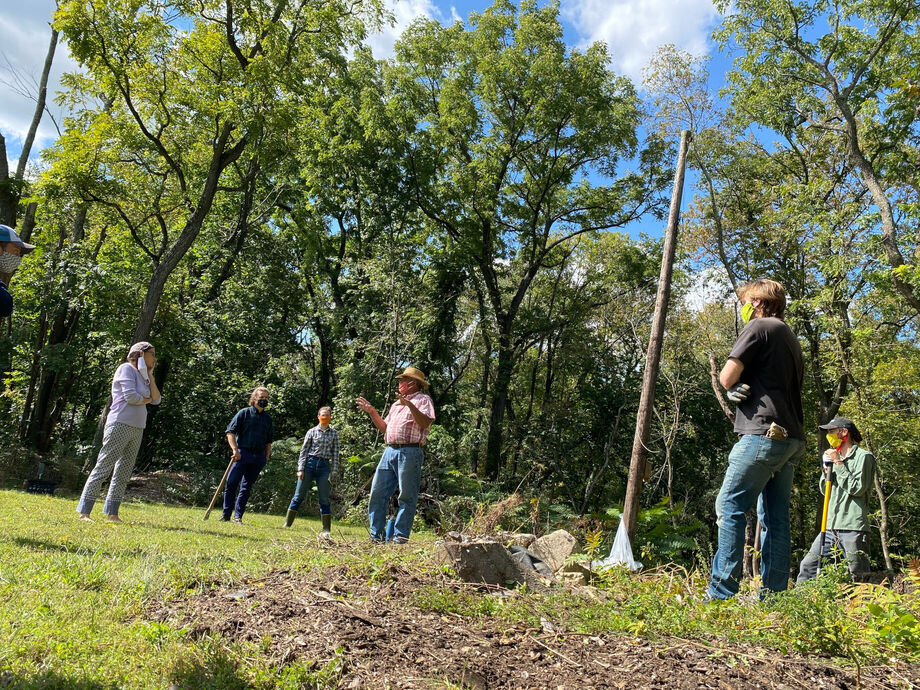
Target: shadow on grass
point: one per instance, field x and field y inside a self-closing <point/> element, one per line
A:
<point x="213" y="533"/>
<point x="49" y="679"/>
<point x="42" y="545"/>
<point x="216" y="670"/>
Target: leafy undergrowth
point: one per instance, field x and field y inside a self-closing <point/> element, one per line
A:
<point x="170" y="599"/>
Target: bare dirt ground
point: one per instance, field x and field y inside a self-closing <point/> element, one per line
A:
<point x="388" y="642"/>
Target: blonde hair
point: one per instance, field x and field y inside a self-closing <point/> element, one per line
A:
<point x="771" y="294"/>
<point x="255" y="394"/>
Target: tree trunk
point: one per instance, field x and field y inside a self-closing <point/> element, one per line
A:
<point x="11" y="186"/>
<point x="747" y="563"/>
<point x="221" y="158"/>
<point x="882" y="202"/>
<point x="504" y="371"/>
<point x="326" y="358"/>
<point x="883" y="521"/>
<point x="39" y="107"/>
<point x="9" y="189"/>
<point x="42" y="420"/>
<point x="33" y="376"/>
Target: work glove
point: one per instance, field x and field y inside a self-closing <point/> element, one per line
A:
<point x="739" y="392"/>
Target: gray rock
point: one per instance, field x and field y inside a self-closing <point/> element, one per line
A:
<point x="488" y="562"/>
<point x="446" y="552"/>
<point x="576" y="573"/>
<point x="522" y="539"/>
<point x="554" y="548"/>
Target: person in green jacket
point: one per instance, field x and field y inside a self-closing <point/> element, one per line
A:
<point x="852" y="474"/>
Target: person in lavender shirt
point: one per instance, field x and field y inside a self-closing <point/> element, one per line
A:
<point x="133" y="388"/>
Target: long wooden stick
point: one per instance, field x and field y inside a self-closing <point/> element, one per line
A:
<point x="219" y="487"/>
<point x="647" y="400"/>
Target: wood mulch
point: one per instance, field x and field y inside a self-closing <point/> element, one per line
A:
<point x="386" y="641"/>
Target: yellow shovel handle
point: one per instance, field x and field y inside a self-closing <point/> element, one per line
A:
<point x="827" y="500"/>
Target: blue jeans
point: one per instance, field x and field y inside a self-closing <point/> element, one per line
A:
<point x="764" y="468"/>
<point x="398" y="467"/>
<point x="315" y="468"/>
<point x="242" y="476"/>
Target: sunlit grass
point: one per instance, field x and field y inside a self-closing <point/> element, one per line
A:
<point x="73" y="594"/>
<point x="76" y="597"/>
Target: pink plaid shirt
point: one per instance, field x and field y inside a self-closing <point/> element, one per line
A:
<point x="401" y="427"/>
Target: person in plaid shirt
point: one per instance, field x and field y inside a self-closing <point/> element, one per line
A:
<point x="405" y="430"/>
<point x="319" y="459"/>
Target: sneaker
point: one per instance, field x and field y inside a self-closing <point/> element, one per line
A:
<point x="236" y="520"/>
<point x="376" y="540"/>
<point x="223" y="518"/>
<point x="400" y="540"/>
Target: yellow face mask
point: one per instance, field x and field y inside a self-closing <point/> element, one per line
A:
<point x="834" y="440"/>
<point x="747" y="311"/>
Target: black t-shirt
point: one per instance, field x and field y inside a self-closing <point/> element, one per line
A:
<point x="773" y="368"/>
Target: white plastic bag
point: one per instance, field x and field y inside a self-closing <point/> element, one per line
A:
<point x="621" y="552"/>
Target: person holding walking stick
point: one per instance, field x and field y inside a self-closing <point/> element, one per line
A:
<point x="133" y="388"/>
<point x="846" y="483"/>
<point x="250" y="437"/>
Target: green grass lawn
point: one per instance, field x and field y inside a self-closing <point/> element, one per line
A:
<point x="75" y="599"/>
<point x="73" y="593"/>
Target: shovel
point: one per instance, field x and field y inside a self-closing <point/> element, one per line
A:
<point x="224" y="479"/>
<point x="827" y="500"/>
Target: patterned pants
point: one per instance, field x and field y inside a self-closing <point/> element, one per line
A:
<point x="120" y="444"/>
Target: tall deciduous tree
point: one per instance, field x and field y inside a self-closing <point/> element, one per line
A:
<point x="505" y="126"/>
<point x="11" y="184"/>
<point x="841" y="68"/>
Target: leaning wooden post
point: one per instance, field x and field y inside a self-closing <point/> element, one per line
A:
<point x="653" y="356"/>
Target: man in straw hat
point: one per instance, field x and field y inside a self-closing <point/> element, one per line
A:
<point x="852" y="474"/>
<point x="404" y="429"/>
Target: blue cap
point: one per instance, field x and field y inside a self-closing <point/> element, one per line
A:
<point x="7" y="234"/>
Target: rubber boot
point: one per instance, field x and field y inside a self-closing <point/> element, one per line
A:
<point x="289" y="520"/>
<point x="327" y="526"/>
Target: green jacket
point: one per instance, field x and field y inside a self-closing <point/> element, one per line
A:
<point x="851" y="483"/>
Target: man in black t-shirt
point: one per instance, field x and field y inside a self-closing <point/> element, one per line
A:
<point x="763" y="375"/>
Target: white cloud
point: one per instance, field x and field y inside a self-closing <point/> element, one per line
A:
<point x="26" y="33"/>
<point x="634" y="29"/>
<point x="404" y="12"/>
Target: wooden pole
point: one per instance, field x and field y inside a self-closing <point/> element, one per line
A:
<point x="653" y="356"/>
<point x="219" y="487"/>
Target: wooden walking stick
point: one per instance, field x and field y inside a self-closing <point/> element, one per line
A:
<point x="827" y="500"/>
<point x="219" y="487"/>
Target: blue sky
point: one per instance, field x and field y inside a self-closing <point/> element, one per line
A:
<point x="632" y="29"/>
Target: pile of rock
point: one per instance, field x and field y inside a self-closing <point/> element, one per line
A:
<point x="510" y="559"/>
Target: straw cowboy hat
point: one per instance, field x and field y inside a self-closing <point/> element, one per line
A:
<point x="415" y="375"/>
